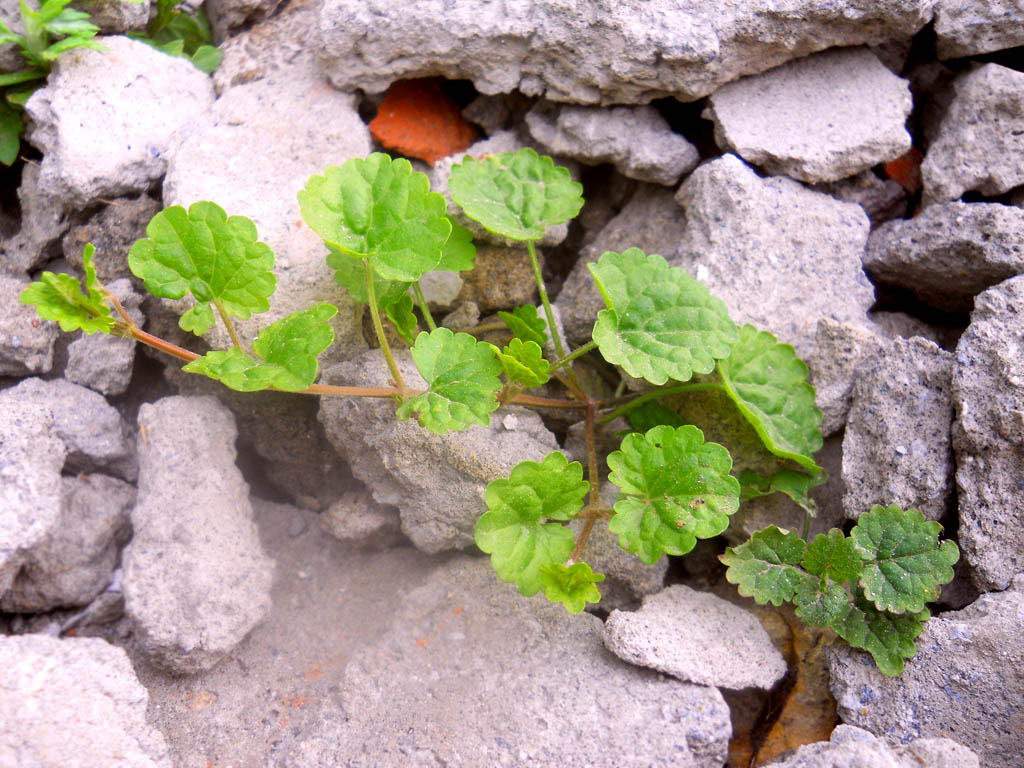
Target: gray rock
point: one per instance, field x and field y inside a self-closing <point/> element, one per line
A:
<point x="436" y="481"/>
<point x="73" y="702"/>
<point x="970" y="27"/>
<point x="252" y="154"/>
<point x="590" y="52"/>
<point x="988" y="435"/>
<point x="980" y="142"/>
<point x="897" y="447"/>
<point x="196" y="580"/>
<point x="697" y="637"/>
<point x="497" y="112"/>
<point x="113" y="231"/>
<point x="950" y="252"/>
<point x="104" y="121"/>
<point x="43" y="220"/>
<point x="357" y="518"/>
<point x="964" y="683"/>
<point x="502" y="278"/>
<point x="115" y="17"/>
<point x="74" y="562"/>
<point x="881" y="199"/>
<point x="472" y="673"/>
<point x="781" y="256"/>
<point x="228" y="15"/>
<point x="835" y="366"/>
<point x="822" y="118"/>
<point x="852" y="746"/>
<point x="26" y="341"/>
<point x="11" y="59"/>
<point x="636" y="140"/>
<point x="103" y="362"/>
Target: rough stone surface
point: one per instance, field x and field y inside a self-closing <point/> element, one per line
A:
<point x="881" y="199"/>
<point x="113" y="231"/>
<point x="697" y="637"/>
<point x="988" y="435"/>
<point x="964" y="683"/>
<point x="436" y="481"/>
<point x="950" y="252"/>
<point x="969" y="27"/>
<point x="105" y="119"/>
<point x="502" y="278"/>
<point x="835" y="366"/>
<point x="897" y="447"/>
<point x="228" y="15"/>
<point x="73" y="702"/>
<point x="103" y="362"/>
<point x="852" y="746"/>
<point x="115" y="17"/>
<point x="472" y="673"/>
<point x="42" y="221"/>
<point x="779" y="255"/>
<point x="636" y="140"/>
<point x="75" y="561"/>
<point x="357" y="518"/>
<point x="980" y="142"/>
<point x="589" y="52"/>
<point x="196" y="580"/>
<point x="821" y="118"/>
<point x="26" y="341"/>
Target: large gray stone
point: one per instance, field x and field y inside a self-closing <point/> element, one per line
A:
<point x="589" y="52"/>
<point x="26" y="341"/>
<point x="228" y="15"/>
<point x="950" y="252"/>
<point x="970" y="27"/>
<point x="115" y="17"/>
<point x="472" y="673"/>
<point x="988" y="435"/>
<point x="104" y="362"/>
<point x="697" y="637"/>
<point x="964" y="684"/>
<point x="822" y="118"/>
<point x="980" y="142"/>
<point x="73" y="702"/>
<point x="850" y="746"/>
<point x="834" y="367"/>
<point x="196" y="580"/>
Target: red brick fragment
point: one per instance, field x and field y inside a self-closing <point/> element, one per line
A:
<point x="418" y="120"/>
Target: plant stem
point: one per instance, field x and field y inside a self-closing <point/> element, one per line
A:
<point x="228" y="324"/>
<point x="547" y="402"/>
<point x="578" y="353"/>
<point x="379" y="328"/>
<point x="654" y="394"/>
<point x="543" y="291"/>
<point x="422" y="301"/>
<point x="333" y="390"/>
<point x="593" y="507"/>
<point x="164" y="346"/>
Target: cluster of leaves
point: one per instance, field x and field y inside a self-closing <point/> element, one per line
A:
<point x="179" y="30"/>
<point x="385" y="229"/>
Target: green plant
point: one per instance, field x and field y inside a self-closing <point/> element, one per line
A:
<point x="177" y="30"/>
<point x="384" y="229"/>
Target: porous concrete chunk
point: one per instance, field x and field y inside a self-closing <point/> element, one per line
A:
<point x="950" y="252"/>
<point x="897" y="447"/>
<point x="196" y="579"/>
<point x="852" y="746"/>
<point x="779" y="255"/>
<point x="821" y="118"/>
<point x="593" y="51"/>
<point x="636" y="140"/>
<point x="834" y="367"/>
<point x="115" y="17"/>
<point x="252" y="154"/>
<point x="75" y="561"/>
<point x="43" y="220"/>
<point x="104" y="121"/>
<point x="472" y="673"/>
<point x="881" y="199"/>
<point x="980" y="142"/>
<point x="73" y="702"/>
<point x="113" y="231"/>
<point x="228" y="15"/>
<point x="988" y="435"/>
<point x="697" y="637"/>
<point x="101" y="361"/>
<point x="26" y="341"/>
<point x="964" y="683"/>
<point x="436" y="481"/>
<point x="357" y="518"/>
<point x="970" y="27"/>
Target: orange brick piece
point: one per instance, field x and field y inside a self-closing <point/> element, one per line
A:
<point x="418" y="120"/>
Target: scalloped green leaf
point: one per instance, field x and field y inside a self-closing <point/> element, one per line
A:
<point x="675" y="489"/>
<point x="515" y="194"/>
<point x="288" y="349"/>
<point x="572" y="586"/>
<point x="400" y="314"/>
<point x="905" y="566"/>
<point x="62" y="298"/>
<point x="203" y="252"/>
<point x="350" y="274"/>
<point x="515" y="530"/>
<point x="524" y="363"/>
<point x="821" y="602"/>
<point x="796" y="485"/>
<point x="765" y="567"/>
<point x="834" y="555"/>
<point x="660" y="323"/>
<point x="768" y="383"/>
<point x="11" y="128"/>
<point x="462" y="376"/>
<point x="525" y="324"/>
<point x="459" y="253"/>
<point x="379" y="208"/>
<point x="888" y="637"/>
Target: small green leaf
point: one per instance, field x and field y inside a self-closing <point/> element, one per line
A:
<point x="11" y="128"/>
<point x="660" y="322"/>
<point x="653" y="414"/>
<point x="572" y="586"/>
<point x="350" y="274"/>
<point x="905" y="565"/>
<point x="765" y="566"/>
<point x="62" y="298"/>
<point x="524" y="363"/>
<point x="515" y="194"/>
<point x="207" y="58"/>
<point x="207" y="254"/>
<point x="832" y="554"/>
<point x="821" y="602"/>
<point x="888" y="637"/>
<point x="675" y="489"/>
<point x="796" y="485"/>
<point x="459" y="253"/>
<point x="379" y="208"/>
<point x="768" y="383"/>
<point x="526" y="325"/>
<point x="515" y="532"/>
<point x="400" y="314"/>
<point x="462" y="374"/>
